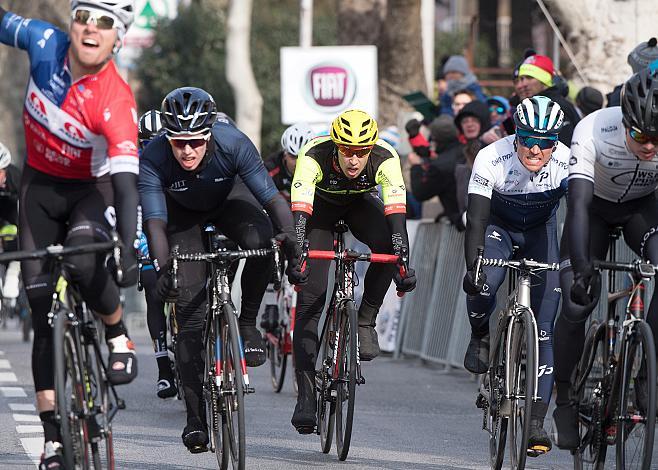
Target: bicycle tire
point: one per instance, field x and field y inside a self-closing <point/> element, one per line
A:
<point x="105" y="444"/>
<point x="69" y="401"/>
<point x="346" y="380"/>
<point x="278" y="360"/>
<point x="326" y="407"/>
<point x="635" y="425"/>
<point x="586" y="391"/>
<point x="523" y="341"/>
<point x="211" y="397"/>
<point x="173" y="332"/>
<point x="496" y="376"/>
<point x="232" y="392"/>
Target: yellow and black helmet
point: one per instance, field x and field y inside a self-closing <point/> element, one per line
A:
<point x="354" y="127"/>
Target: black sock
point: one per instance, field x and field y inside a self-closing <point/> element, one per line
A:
<point x="164" y="368"/>
<point x="50" y="426"/>
<point x="118" y="329"/>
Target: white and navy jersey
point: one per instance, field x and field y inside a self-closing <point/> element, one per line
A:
<point x="600" y="154"/>
<point x="520" y="198"/>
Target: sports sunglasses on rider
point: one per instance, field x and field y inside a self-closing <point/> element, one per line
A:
<point x="102" y="20"/>
<point x="181" y="143"/>
<point x="350" y="150"/>
<point x="641" y="138"/>
<point x="530" y="141"/>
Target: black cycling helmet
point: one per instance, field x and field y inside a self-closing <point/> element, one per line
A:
<point x="188" y="110"/>
<point x="639" y="102"/>
<point x="150" y="126"/>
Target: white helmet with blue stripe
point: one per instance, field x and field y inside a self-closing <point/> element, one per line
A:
<point x="539" y="115"/>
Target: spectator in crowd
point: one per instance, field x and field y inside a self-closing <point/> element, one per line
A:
<point x="391" y="135"/>
<point x="639" y="58"/>
<point x="472" y="122"/>
<point x="433" y="173"/>
<point x="498" y="109"/>
<point x="588" y="100"/>
<point x="461" y="99"/>
<point x="458" y="76"/>
<point x="536" y="77"/>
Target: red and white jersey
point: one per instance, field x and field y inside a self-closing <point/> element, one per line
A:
<point x="76" y="130"/>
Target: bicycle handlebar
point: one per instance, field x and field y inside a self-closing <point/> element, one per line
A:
<point x="519" y="265"/>
<point x="59" y="251"/>
<point x="638" y="267"/>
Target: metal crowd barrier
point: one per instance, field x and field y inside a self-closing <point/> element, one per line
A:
<point x="433" y="322"/>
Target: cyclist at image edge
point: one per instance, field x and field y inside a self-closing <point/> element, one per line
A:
<point x="80" y="177"/>
<point x="9" y="186"/>
<point x="150" y="126"/>
<point x="612" y="182"/>
<point x="281" y="167"/>
<point x="185" y="179"/>
<point x="336" y="178"/>
<point x="513" y="196"/>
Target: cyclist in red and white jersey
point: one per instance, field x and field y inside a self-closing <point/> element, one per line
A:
<point x="80" y="177"/>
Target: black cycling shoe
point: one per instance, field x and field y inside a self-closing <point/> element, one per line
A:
<point x="538" y="441"/>
<point x="476" y="359"/>
<point x="566" y="427"/>
<point x="52" y="459"/>
<point x="368" y="339"/>
<point x="166" y="388"/>
<point x="254" y="347"/>
<point x="195" y="436"/>
<point x="305" y="416"/>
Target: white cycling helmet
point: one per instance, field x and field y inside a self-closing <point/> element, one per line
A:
<point x="124" y="10"/>
<point x="5" y="156"/>
<point x="295" y="137"/>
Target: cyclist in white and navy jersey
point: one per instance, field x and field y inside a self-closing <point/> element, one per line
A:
<point x="513" y="196"/>
<point x="613" y="177"/>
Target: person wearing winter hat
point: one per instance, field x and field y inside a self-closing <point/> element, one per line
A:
<point x="588" y="100"/>
<point x="498" y="109"/>
<point x="641" y="57"/>
<point x="458" y="76"/>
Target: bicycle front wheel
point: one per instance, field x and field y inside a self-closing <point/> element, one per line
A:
<point x="232" y="391"/>
<point x="587" y="390"/>
<point x="496" y="419"/>
<point x="70" y="393"/>
<point x="278" y="359"/>
<point x="522" y="386"/>
<point x="324" y="379"/>
<point x="346" y="377"/>
<point x="211" y="394"/>
<point x="637" y="399"/>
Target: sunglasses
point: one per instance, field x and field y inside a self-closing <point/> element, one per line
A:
<point x="101" y="20"/>
<point x="497" y="109"/>
<point x="350" y="150"/>
<point x="181" y="143"/>
<point x="529" y="141"/>
<point x="641" y="138"/>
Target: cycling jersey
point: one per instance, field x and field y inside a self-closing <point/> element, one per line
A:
<point x="75" y="130"/>
<point x="279" y="173"/>
<point x="317" y="168"/>
<point x="599" y="154"/>
<point x="230" y="154"/>
<point x="520" y="199"/>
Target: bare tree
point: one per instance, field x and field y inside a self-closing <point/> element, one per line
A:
<point x="239" y="73"/>
<point x="400" y="58"/>
<point x="360" y="21"/>
<point x="602" y="34"/>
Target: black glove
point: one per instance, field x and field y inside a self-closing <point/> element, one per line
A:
<point x="586" y="287"/>
<point x="128" y="261"/>
<point x="165" y="286"/>
<point x="292" y="252"/>
<point x="405" y="283"/>
<point x="412" y="127"/>
<point x="470" y="286"/>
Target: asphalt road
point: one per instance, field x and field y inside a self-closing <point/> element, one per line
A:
<point x="408" y="416"/>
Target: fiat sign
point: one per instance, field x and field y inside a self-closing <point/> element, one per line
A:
<point x="317" y="83"/>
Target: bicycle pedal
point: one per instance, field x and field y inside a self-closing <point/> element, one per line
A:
<point x="361" y="381"/>
<point x="305" y="429"/>
<point x="537" y="450"/>
<point x="249" y="389"/>
<point x="198" y="449"/>
<point x="481" y="402"/>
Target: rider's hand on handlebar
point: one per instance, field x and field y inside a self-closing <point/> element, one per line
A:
<point x="471" y="285"/>
<point x="292" y="251"/>
<point x="586" y="287"/>
<point x="406" y="282"/>
<point x="128" y="264"/>
<point x="165" y="285"/>
<point x="296" y="275"/>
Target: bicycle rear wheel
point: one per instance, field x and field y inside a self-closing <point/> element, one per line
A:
<point x="587" y="391"/>
<point x="278" y="359"/>
<point x="232" y="391"/>
<point x="524" y="377"/>
<point x="637" y="400"/>
<point x="346" y="377"/>
<point x="324" y="379"/>
<point x="70" y="393"/>
<point x="211" y="395"/>
<point x="496" y="420"/>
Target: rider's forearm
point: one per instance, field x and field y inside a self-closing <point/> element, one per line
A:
<point x="397" y="224"/>
<point x="126" y="199"/>
<point x="279" y="211"/>
<point x="301" y="219"/>
<point x="156" y="234"/>
<point x="579" y="199"/>
<point x="477" y="217"/>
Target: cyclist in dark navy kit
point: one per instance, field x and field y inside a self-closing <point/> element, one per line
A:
<point x="185" y="180"/>
<point x="80" y="177"/>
